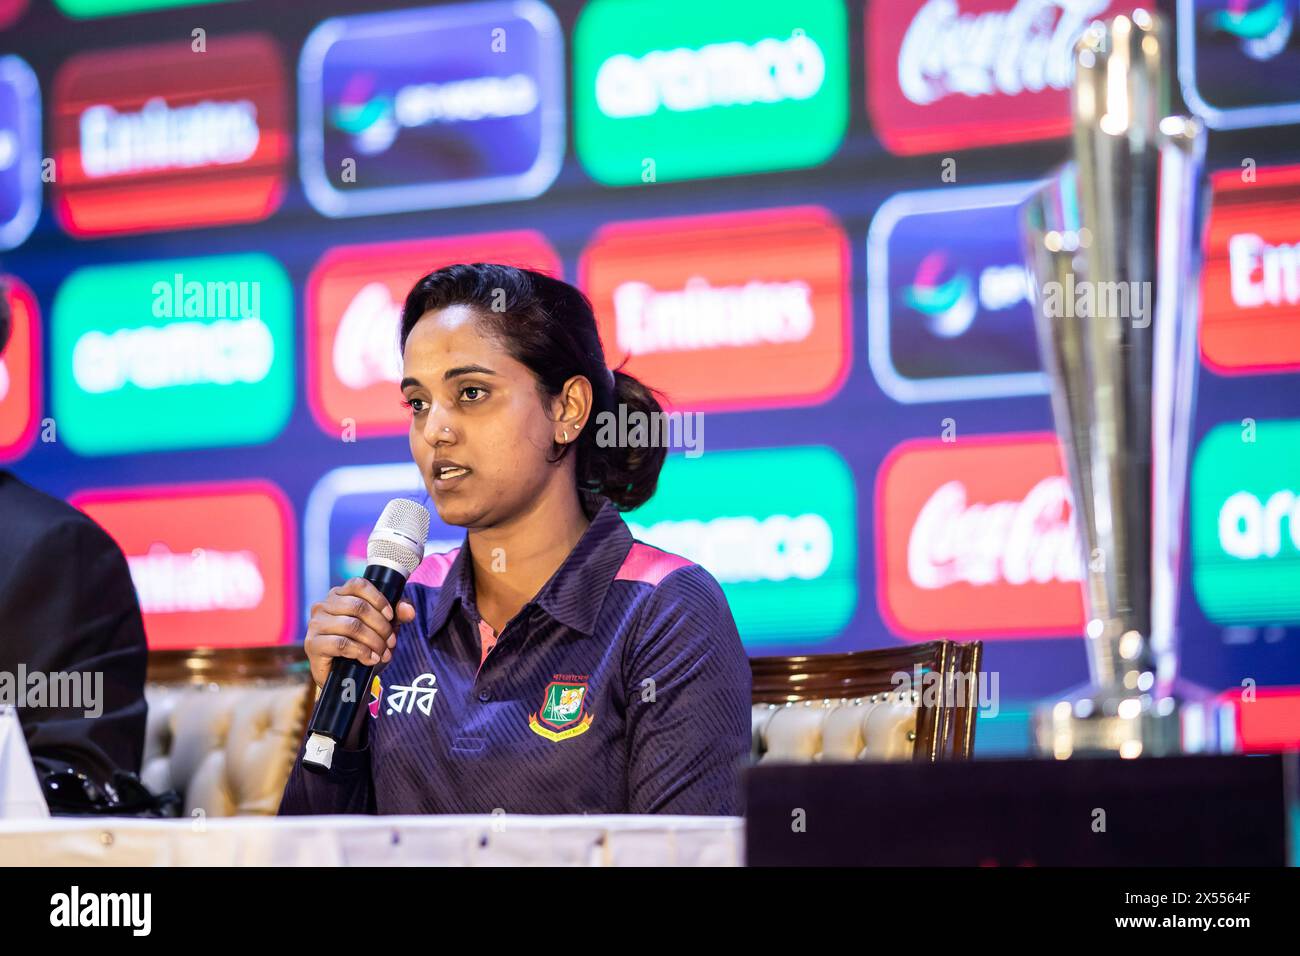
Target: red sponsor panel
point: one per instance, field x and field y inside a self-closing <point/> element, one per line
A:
<point x="1268" y="722"/>
<point x="1250" y="286"/>
<point x="955" y="74"/>
<point x="977" y="538"/>
<point x="213" y="563"/>
<point x="732" y="311"/>
<point x="354" y="306"/>
<point x="20" y="372"/>
<point x="160" y="137"/>
<point x="10" y="11"/>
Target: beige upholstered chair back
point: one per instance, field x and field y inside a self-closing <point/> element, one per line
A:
<point x="224" y="726"/>
<point x="910" y="703"/>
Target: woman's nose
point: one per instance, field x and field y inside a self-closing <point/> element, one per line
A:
<point x="437" y="427"/>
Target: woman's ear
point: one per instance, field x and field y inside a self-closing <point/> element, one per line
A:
<point x="571" y="408"/>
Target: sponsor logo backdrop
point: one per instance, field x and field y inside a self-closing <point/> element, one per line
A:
<point x="797" y="219"/>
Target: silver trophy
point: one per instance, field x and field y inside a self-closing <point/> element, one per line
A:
<point x="1113" y="246"/>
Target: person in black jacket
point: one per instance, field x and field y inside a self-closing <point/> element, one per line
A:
<point x="68" y="607"/>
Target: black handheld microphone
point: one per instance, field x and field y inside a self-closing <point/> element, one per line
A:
<point x="395" y="549"/>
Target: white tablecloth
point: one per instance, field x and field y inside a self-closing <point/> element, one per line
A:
<point x="505" y="840"/>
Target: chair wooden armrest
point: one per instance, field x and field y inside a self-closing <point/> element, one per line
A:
<point x="942" y="678"/>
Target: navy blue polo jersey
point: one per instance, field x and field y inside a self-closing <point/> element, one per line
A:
<point x="621" y="687"/>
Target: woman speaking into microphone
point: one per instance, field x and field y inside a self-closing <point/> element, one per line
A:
<point x="551" y="664"/>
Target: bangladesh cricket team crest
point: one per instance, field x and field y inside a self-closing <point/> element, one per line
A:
<point x="564" y="709"/>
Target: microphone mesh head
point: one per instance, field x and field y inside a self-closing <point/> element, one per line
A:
<point x="399" y="535"/>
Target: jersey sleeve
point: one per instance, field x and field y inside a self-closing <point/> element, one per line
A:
<point x="346" y="788"/>
<point x="688" y="689"/>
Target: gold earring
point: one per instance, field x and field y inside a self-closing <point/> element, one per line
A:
<point x="565" y="434"/>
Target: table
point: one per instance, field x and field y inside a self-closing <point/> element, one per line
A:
<point x="1207" y="810"/>
<point x="478" y="840"/>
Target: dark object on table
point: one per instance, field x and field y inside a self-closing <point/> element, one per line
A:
<point x="70" y="792"/>
<point x="1167" y="811"/>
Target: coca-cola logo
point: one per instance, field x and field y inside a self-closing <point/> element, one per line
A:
<point x="1026" y="48"/>
<point x="354" y="305"/>
<point x="365" y="346"/>
<point x="1002" y="542"/>
<point x="977" y="537"/>
<point x="939" y="70"/>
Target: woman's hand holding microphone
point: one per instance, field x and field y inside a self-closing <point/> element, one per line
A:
<point x="353" y="621"/>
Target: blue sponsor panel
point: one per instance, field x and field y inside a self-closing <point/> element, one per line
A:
<point x="341" y="512"/>
<point x="20" y="151"/>
<point x="432" y="107"/>
<point x="948" y="314"/>
<point x="1239" y="61"/>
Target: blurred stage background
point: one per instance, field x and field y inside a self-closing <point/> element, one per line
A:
<point x="798" y="219"/>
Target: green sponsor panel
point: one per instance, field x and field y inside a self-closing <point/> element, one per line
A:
<point x="86" y="9"/>
<point x="777" y="527"/>
<point x="169" y="354"/>
<point x="670" y="89"/>
<point x="1245" y="519"/>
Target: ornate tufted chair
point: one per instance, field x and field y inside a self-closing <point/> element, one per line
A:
<point x="224" y="726"/>
<point x="909" y="703"/>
